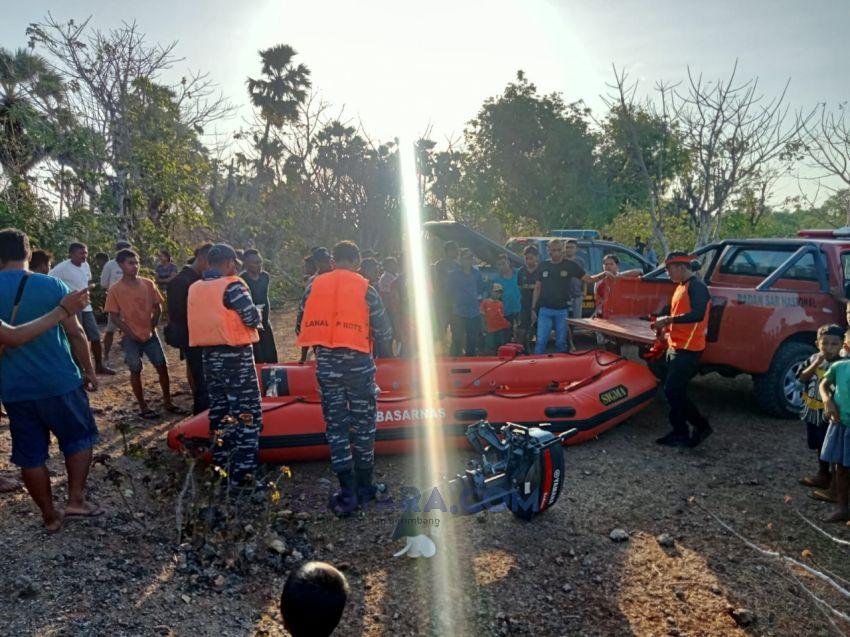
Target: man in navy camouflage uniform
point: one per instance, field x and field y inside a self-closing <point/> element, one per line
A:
<point x="345" y="369"/>
<point x="230" y="373"/>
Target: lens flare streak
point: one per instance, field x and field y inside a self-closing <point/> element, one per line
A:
<point x="432" y="455"/>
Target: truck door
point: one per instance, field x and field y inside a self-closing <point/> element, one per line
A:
<point x="749" y="323"/>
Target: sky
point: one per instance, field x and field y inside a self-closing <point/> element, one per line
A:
<point x="402" y="67"/>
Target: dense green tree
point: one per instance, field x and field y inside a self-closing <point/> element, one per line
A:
<point x="32" y="108"/>
<point x="358" y="187"/>
<point x="102" y="70"/>
<point x="631" y="135"/>
<point x="168" y="162"/>
<point x="32" y="114"/>
<point x="532" y="155"/>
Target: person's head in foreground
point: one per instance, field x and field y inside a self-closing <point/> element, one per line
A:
<point x="222" y="257"/>
<point x="100" y="259"/>
<point x="556" y="250"/>
<point x="830" y="340"/>
<point x="496" y="291"/>
<point x="164" y="257"/>
<point x="611" y="263"/>
<point x="347" y="255"/>
<point x="40" y="261"/>
<point x="253" y="261"/>
<point x="129" y="263"/>
<point x="313" y="599"/>
<point x="571" y="248"/>
<point x="680" y="266"/>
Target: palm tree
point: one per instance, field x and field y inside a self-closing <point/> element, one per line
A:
<point x="32" y="108"/>
<point x="278" y="94"/>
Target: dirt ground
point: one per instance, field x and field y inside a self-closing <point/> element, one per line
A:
<point x="125" y="574"/>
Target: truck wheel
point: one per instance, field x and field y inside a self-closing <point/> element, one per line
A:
<point x="777" y="391"/>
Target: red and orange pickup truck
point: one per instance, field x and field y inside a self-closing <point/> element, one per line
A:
<point x="768" y="298"/>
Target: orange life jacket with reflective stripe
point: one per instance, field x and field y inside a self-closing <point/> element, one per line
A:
<point x="689" y="336"/>
<point x="210" y="322"/>
<point x="336" y="313"/>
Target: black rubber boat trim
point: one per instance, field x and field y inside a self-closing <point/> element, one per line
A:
<point x="457" y="429"/>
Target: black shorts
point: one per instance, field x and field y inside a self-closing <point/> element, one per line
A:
<point x="525" y="319"/>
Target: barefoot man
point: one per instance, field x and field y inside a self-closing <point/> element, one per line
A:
<point x="42" y="387"/>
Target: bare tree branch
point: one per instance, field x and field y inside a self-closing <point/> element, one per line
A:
<point x="825" y="139"/>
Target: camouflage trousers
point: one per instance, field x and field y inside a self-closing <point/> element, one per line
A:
<point x="233" y="390"/>
<point x="349" y="400"/>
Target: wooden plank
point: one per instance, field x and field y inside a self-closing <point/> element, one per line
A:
<point x="625" y="328"/>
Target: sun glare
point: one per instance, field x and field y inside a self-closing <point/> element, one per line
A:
<point x="432" y="453"/>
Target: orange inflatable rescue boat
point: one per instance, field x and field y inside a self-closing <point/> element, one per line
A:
<point x="590" y="391"/>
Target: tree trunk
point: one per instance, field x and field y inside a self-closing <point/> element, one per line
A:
<point x="704" y="222"/>
<point x="264" y="146"/>
<point x="119" y="194"/>
<point x="61" y="188"/>
<point x="660" y="238"/>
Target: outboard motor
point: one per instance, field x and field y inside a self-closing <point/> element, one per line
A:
<point x="520" y="468"/>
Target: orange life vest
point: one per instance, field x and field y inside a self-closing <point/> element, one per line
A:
<point x="689" y="336"/>
<point x="210" y="322"/>
<point x="336" y="313"/>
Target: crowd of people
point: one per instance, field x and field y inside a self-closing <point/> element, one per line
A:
<point x="219" y="320"/>
<point x="521" y="305"/>
<point x="354" y="308"/>
<point x="46" y="376"/>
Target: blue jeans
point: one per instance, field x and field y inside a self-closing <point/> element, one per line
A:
<point x="547" y="320"/>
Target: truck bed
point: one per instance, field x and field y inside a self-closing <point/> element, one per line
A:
<point x="625" y="328"/>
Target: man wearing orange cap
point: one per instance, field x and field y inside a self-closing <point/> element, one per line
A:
<point x="686" y="328"/>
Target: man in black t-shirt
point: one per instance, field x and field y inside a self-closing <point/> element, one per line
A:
<point x="552" y="294"/>
<point x="527" y="280"/>
<point x="177" y="330"/>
